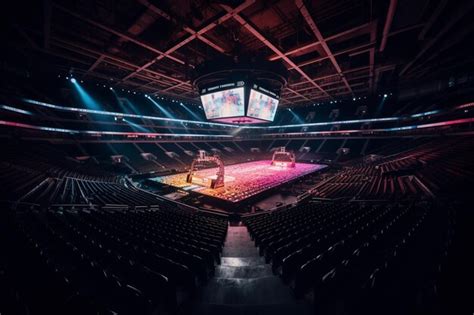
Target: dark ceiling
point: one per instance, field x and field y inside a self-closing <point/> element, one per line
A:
<point x="333" y="49"/>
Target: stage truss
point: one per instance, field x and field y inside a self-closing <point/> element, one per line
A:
<point x="213" y="183"/>
<point x="283" y="158"/>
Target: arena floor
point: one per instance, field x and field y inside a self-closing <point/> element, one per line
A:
<point x="242" y="180"/>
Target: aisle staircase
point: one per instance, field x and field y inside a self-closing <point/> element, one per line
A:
<point x="245" y="284"/>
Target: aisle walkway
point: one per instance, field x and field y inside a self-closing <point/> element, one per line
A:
<point x="244" y="284"/>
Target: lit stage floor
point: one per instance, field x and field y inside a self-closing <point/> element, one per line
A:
<point x="242" y="180"/>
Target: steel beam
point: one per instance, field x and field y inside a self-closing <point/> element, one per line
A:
<point x="247" y="25"/>
<point x="118" y="61"/>
<point x="328" y="39"/>
<point x="358" y="49"/>
<point x="117" y="33"/>
<point x="95" y="64"/>
<point x="47" y="11"/>
<point x="314" y="28"/>
<point x="458" y="15"/>
<point x="388" y="23"/>
<point x="188" y="39"/>
<point x="432" y="19"/>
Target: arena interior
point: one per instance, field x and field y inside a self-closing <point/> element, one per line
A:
<point x="237" y="157"/>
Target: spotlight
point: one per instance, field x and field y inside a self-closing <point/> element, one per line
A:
<point x="73" y="80"/>
<point x="385" y="95"/>
<point x="111" y="88"/>
<point x="354" y="99"/>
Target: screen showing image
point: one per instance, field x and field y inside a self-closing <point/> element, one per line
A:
<point x="262" y="106"/>
<point x="227" y="103"/>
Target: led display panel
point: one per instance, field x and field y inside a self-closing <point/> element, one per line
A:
<point x="222" y="104"/>
<point x="262" y="106"/>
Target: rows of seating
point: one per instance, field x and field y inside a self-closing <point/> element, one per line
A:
<point x="350" y="255"/>
<point x="74" y="191"/>
<point x="18" y="180"/>
<point x="100" y="262"/>
<point x="33" y="186"/>
<point x="180" y="161"/>
<point x="419" y="171"/>
<point x="51" y="160"/>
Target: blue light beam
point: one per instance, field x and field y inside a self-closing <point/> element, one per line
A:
<point x="161" y="108"/>
<point x="193" y="114"/>
<point x="85" y="97"/>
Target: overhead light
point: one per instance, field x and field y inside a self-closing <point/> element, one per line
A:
<point x="73" y="80"/>
<point x="385" y="95"/>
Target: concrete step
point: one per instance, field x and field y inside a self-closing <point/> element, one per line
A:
<point x="247" y="272"/>
<point x="244" y="284"/>
<point x="263" y="290"/>
<point x="260" y="309"/>
<point x="232" y="240"/>
<point x="242" y="261"/>
<point x="240" y="251"/>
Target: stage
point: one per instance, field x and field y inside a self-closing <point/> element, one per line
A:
<point x="242" y="180"/>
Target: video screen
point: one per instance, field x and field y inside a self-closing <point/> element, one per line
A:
<point x="227" y="103"/>
<point x="262" y="106"/>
